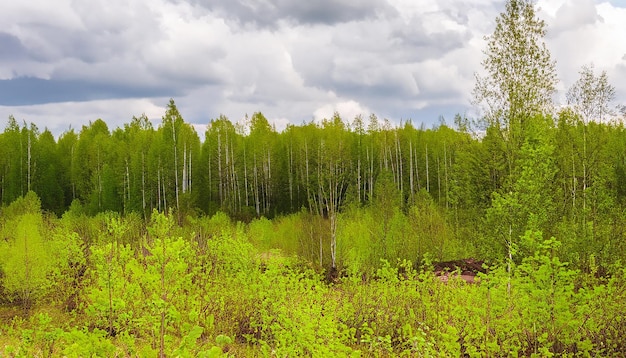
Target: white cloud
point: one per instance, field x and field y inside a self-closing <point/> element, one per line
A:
<point x="583" y="32"/>
<point x="279" y="123"/>
<point x="347" y="110"/>
<point x="115" y="113"/>
<point x="572" y="15"/>
<point x="398" y="59"/>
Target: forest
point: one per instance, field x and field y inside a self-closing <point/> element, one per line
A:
<point x="322" y="239"/>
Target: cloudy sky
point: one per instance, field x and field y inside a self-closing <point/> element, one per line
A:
<point x="67" y="62"/>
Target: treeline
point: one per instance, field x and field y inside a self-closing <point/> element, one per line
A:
<point x="247" y="170"/>
<point x="560" y="176"/>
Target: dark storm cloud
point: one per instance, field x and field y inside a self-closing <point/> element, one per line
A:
<point x="326" y="12"/>
<point x="23" y="91"/>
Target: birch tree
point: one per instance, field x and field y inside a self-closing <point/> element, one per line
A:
<point x="139" y="135"/>
<point x="89" y="164"/>
<point x="66" y="145"/>
<point x="221" y="164"/>
<point x="334" y="176"/>
<point x="48" y="180"/>
<point x="520" y="77"/>
<point x="182" y="145"/>
<point x="11" y="162"/>
<point x="262" y="138"/>
<point x="24" y="257"/>
<point x="590" y="97"/>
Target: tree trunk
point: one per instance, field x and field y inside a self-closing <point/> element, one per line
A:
<point x="290" y="154"/>
<point x="184" y="168"/>
<point x="438" y="180"/>
<point x="29" y="160"/>
<point x="427" y="174"/>
<point x="219" y="169"/>
<point x="257" y="203"/>
<point x="245" y="176"/>
<point x="143" y="184"/>
<point x="445" y="170"/>
<point x="175" y="167"/>
<point x="411" y="183"/>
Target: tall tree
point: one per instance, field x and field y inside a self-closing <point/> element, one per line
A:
<point x="334" y="175"/>
<point x="520" y="75"/>
<point x="66" y="146"/>
<point x="180" y="147"/>
<point x="530" y="204"/>
<point x="47" y="179"/>
<point x="220" y="166"/>
<point x="262" y="139"/>
<point x="359" y="131"/>
<point x="591" y="95"/>
<point x="90" y="170"/>
<point x="172" y="120"/>
<point x="139" y="134"/>
<point x="12" y="175"/>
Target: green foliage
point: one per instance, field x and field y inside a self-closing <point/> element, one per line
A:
<point x="231" y="253"/>
<point x="591" y="95"/>
<point x="529" y="205"/>
<point x="172" y="295"/>
<point x="81" y="343"/>
<point x="188" y="342"/>
<point x="131" y="287"/>
<point x="134" y="268"/>
<point x="432" y="233"/>
<point x="261" y="232"/>
<point x="46" y="176"/>
<point x="549" y="288"/>
<point x="521" y="76"/>
<point x="357" y="246"/>
<point x="26" y="261"/>
<point x="28" y="204"/>
<point x="68" y="267"/>
<point x="557" y="179"/>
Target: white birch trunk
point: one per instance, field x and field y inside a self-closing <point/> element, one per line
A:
<point x="427" y="174"/>
<point x="184" y="167"/>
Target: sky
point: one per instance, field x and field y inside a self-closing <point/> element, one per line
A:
<point x="64" y="63"/>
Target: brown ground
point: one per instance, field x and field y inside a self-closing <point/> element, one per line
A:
<point x="468" y="269"/>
